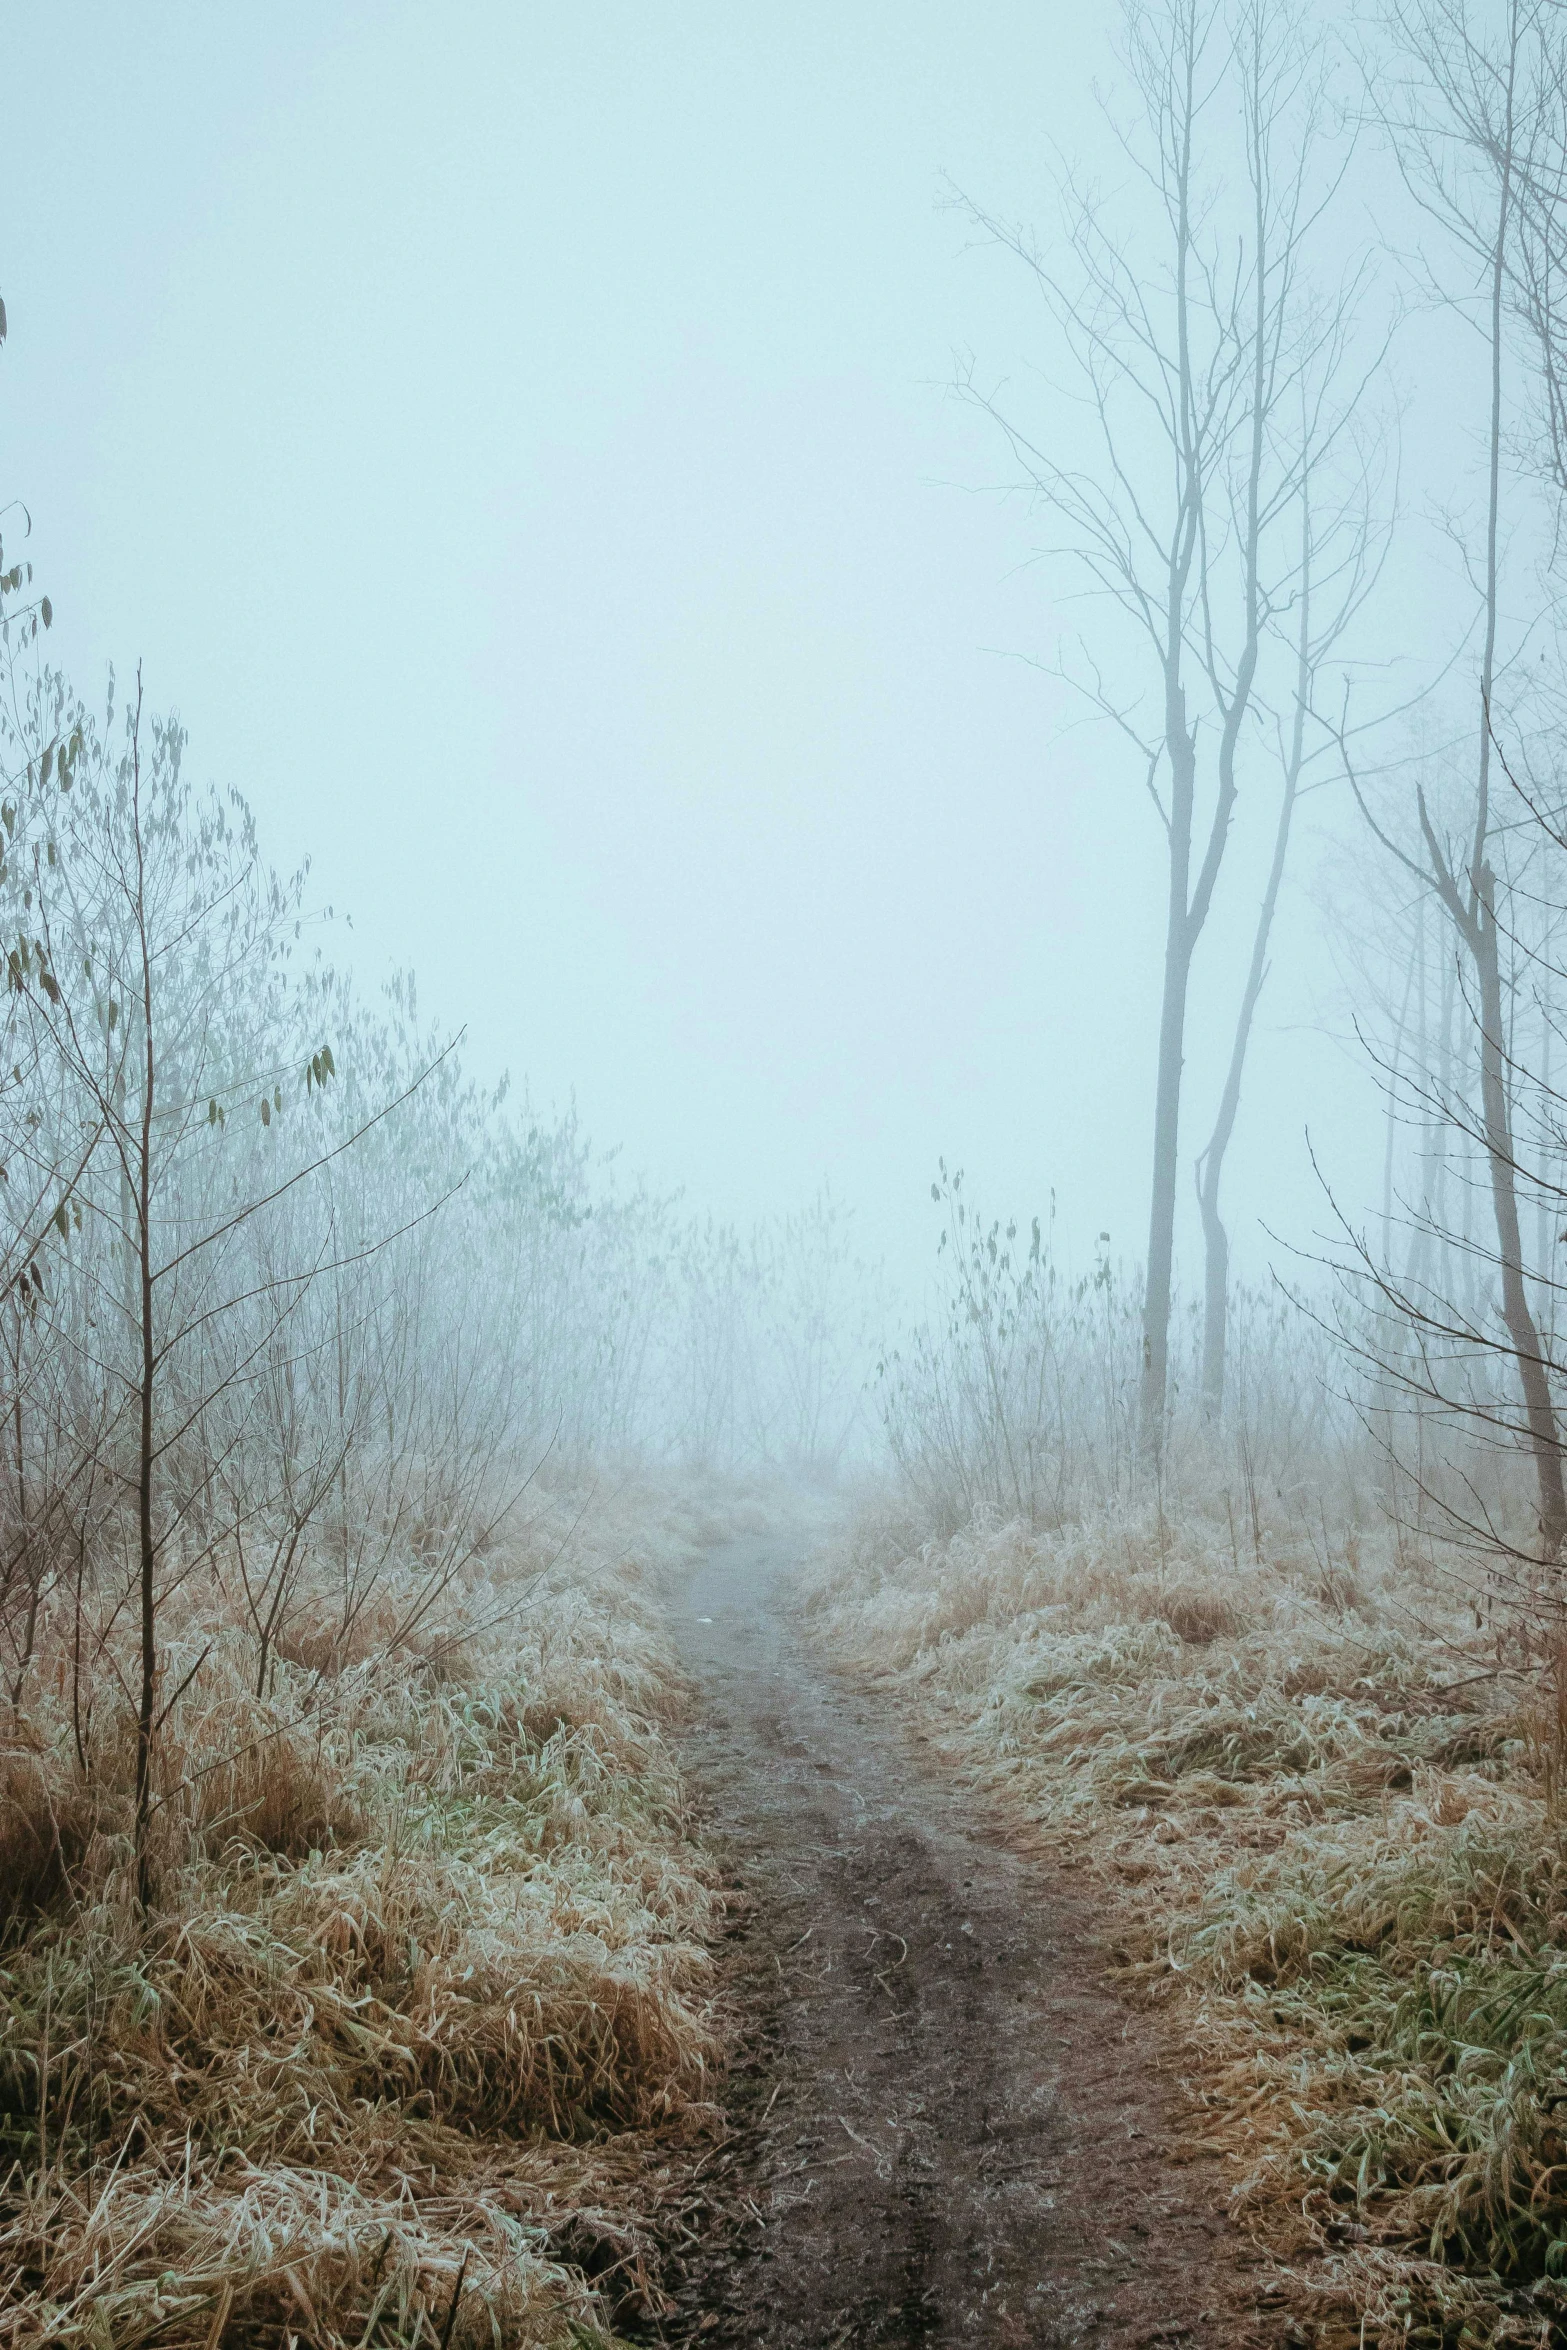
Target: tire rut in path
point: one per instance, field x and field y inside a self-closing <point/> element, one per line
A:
<point x="945" y="2128"/>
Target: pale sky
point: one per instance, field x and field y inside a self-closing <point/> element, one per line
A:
<point x="518" y="442"/>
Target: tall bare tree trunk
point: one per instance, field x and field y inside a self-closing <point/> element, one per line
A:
<point x="1518" y="1314"/>
<point x="1180" y="748"/>
<point x="1522" y="1329"/>
<point x="1161" y="1223"/>
<point x="147" y="1557"/>
<point x="1210" y="1167"/>
<point x="1183" y="370"/>
<point x="1469" y="891"/>
<point x="1167" y="1087"/>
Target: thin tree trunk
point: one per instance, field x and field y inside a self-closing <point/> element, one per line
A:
<point x="1522" y="1329"/>
<point x="1167" y="1091"/>
<point x="1210" y="1167"/>
<point x="147" y="1549"/>
<point x="1471" y="903"/>
<point x="1161" y="1223"/>
<point x="1188" y="905"/>
<point x="1181" y="750"/>
<point x="146" y="1544"/>
<point x="1542" y="1199"/>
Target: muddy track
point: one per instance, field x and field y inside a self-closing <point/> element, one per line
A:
<point x="945" y="2129"/>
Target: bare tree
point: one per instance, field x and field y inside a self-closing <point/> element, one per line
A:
<point x="156" y="980"/>
<point x="1471" y="118"/>
<point x="1342" y="543"/>
<point x="1193" y="340"/>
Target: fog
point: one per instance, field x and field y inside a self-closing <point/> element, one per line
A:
<point x="522" y="446"/>
<point x="783" y="1174"/>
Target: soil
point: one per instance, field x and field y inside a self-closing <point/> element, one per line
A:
<point x="944" y="2127"/>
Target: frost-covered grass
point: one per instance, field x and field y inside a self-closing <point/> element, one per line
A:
<point x="425" y="1986"/>
<point x="1322" y="1813"/>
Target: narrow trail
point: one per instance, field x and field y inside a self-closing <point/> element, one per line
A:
<point x="946" y="2130"/>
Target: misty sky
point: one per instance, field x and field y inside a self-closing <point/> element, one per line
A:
<point x="517" y="441"/>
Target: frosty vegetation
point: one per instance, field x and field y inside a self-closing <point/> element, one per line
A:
<point x="342" y="1836"/>
<point x="1255" y="1595"/>
<point x="333" y="1772"/>
<point x="295" y="1313"/>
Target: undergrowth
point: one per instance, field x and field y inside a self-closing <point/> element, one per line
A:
<point x="424" y="1989"/>
<point x="1318" y="1794"/>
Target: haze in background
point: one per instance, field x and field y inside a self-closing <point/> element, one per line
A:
<point x="517" y="442"/>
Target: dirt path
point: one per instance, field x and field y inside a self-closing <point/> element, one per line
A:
<point x="946" y="2130"/>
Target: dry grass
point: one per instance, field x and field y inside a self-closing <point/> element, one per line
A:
<point x="1320" y="1813"/>
<point x="425" y="1992"/>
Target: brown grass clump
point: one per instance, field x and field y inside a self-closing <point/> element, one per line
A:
<point x="430" y="1939"/>
<point x="45" y="1829"/>
<point x="1321" y="1804"/>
